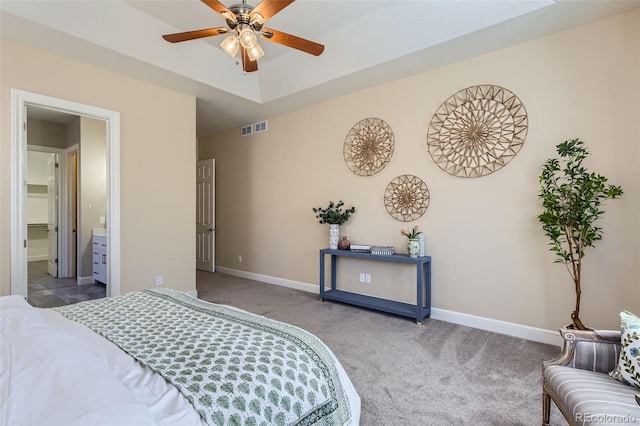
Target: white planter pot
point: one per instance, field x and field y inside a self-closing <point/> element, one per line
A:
<point x="334" y="236"/>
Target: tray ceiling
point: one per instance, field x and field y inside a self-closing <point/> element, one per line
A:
<point x="367" y="42"/>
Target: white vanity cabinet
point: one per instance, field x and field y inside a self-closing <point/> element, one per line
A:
<point x="99" y="255"/>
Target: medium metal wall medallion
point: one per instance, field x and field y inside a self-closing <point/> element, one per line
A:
<point x="368" y="146"/>
<point x="477" y="131"/>
<point x="406" y="198"/>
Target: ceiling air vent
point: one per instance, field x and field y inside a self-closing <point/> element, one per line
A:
<point x="246" y="130"/>
<point x="260" y="126"/>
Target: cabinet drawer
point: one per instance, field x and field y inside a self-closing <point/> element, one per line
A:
<point x="99" y="258"/>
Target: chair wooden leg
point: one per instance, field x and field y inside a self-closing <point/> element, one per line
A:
<point x="546" y="406"/>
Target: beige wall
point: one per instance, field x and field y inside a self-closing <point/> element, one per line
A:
<point x="93" y="189"/>
<point x="72" y="132"/>
<point x="490" y="256"/>
<point x="46" y="133"/>
<point x="157" y="161"/>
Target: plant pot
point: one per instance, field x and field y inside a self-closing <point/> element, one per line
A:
<point x="413" y="247"/>
<point x="334" y="236"/>
<point x="344" y="243"/>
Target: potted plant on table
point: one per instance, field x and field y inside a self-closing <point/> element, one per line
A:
<point x="335" y="216"/>
<point x="573" y="200"/>
<point x="413" y="246"/>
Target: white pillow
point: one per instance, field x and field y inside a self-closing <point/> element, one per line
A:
<point x="628" y="368"/>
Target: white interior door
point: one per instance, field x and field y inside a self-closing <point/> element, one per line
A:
<point x="52" y="221"/>
<point x="205" y="215"/>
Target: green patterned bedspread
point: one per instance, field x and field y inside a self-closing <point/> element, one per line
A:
<point x="236" y="368"/>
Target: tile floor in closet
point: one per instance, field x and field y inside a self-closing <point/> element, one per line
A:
<point x="47" y="292"/>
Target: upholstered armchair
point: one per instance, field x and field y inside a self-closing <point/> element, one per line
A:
<point x="579" y="384"/>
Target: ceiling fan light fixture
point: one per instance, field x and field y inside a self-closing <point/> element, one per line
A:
<point x="230" y="45"/>
<point x="255" y="52"/>
<point x="256" y="21"/>
<point x="228" y="15"/>
<point x="244" y="24"/>
<point x="247" y="38"/>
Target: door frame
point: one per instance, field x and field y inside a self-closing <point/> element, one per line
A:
<point x="69" y="238"/>
<point x="19" y="100"/>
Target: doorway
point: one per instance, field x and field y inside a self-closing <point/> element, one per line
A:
<point x="20" y="100"/>
<point x="51" y="211"/>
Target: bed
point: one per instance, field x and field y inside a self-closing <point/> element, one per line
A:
<point x="162" y="357"/>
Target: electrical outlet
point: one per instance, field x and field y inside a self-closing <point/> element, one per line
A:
<point x="367" y="278"/>
<point x="159" y="280"/>
<point x="239" y="259"/>
<point x="361" y="277"/>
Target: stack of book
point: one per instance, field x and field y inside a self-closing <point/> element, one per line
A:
<point x="360" y="248"/>
<point x="382" y="250"/>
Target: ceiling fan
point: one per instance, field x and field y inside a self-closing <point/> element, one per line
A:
<point x="245" y="23"/>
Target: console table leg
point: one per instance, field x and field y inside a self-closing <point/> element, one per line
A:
<point x="419" y="308"/>
<point x="321" y="283"/>
<point x="334" y="260"/>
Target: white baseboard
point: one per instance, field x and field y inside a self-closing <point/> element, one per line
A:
<point x="497" y="326"/>
<point x="37" y="258"/>
<point x="86" y="280"/>
<point x="298" y="285"/>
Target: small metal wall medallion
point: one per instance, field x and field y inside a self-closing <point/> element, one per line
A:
<point x="477" y="131"/>
<point x="406" y="198"/>
<point x="368" y="146"/>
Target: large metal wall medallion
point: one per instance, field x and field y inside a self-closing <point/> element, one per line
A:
<point x="368" y="146"/>
<point x="477" y="131"/>
<point x="406" y="198"/>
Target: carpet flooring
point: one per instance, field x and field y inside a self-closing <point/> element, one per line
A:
<point x="438" y="373"/>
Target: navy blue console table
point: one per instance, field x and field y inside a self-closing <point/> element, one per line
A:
<point x="423" y="283"/>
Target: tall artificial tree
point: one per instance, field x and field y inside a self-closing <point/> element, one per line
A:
<point x="573" y="198"/>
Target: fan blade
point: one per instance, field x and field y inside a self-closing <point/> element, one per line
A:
<point x="191" y="35"/>
<point x="268" y="8"/>
<point x="296" y="42"/>
<point x="220" y="8"/>
<point x="247" y="64"/>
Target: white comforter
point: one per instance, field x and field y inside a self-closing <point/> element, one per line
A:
<point x="57" y="372"/>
